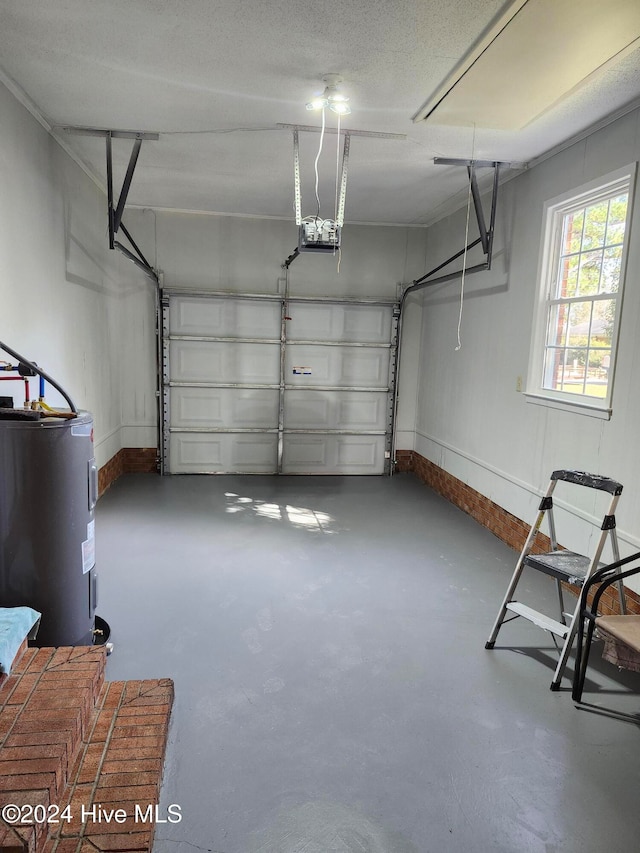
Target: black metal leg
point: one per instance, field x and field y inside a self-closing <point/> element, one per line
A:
<point x="584" y="649"/>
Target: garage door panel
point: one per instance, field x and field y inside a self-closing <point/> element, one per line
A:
<point x="330" y="454"/>
<point x="219" y="407"/>
<point x="254" y="453"/>
<point x="364" y="367"/>
<point x="354" y="323"/>
<point x="224" y="362"/>
<point x="224" y="318"/>
<point x="202" y="453"/>
<point x="196" y="453"/>
<point x="373" y="324"/>
<point x="307" y="409"/>
<point x="308" y="365"/>
<point x="305" y="452"/>
<point x="237" y="400"/>
<point x="357" y="451"/>
<point x="363" y="411"/>
<point x="352" y="410"/>
<point x="255" y="408"/>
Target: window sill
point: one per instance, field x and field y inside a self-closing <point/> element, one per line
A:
<point x="591" y="410"/>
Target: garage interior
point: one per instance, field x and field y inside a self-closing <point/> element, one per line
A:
<point x="359" y="384"/>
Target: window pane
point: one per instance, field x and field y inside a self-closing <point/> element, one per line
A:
<point x="557" y="331"/>
<point x="597" y="373"/>
<point x="589" y="277"/>
<point x="585" y="241"/>
<point x="595" y="225"/>
<point x="568" y="283"/>
<point x="572" y="232"/>
<point x="579" y="324"/>
<point x="604" y="312"/>
<point x="611" y="270"/>
<point x="616" y="221"/>
<point x="575" y="370"/>
<point x="553" y="368"/>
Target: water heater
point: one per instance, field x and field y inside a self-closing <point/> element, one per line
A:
<point x="48" y="493"/>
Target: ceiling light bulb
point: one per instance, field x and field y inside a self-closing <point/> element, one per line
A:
<point x="318" y="103"/>
<point x="340" y="107"/>
<point x="331" y="97"/>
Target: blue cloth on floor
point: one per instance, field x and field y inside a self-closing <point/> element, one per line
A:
<point x="15" y="624"/>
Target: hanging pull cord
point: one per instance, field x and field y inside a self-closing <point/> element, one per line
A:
<point x="335" y="210"/>
<point x="315" y="165"/>
<point x="464" y="267"/>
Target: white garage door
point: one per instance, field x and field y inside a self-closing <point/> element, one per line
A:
<point x="254" y="384"/>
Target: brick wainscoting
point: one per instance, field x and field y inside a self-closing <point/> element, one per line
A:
<point x="76" y="747"/>
<point x="501" y="523"/>
<point x="128" y="460"/>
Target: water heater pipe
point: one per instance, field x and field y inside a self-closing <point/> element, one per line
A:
<point x="41" y="373"/>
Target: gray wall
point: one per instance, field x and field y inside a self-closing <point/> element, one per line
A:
<point x="241" y="254"/>
<point x="66" y="302"/>
<point x="470" y="419"/>
<point x="87" y="315"/>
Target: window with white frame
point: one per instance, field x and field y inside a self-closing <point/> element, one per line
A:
<point x="580" y="295"/>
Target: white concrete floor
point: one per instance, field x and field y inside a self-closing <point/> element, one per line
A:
<point x="333" y="693"/>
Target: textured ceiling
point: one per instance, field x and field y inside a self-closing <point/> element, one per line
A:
<point x="216" y="77"/>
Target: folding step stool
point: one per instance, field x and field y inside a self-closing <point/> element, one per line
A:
<point x="562" y="565"/>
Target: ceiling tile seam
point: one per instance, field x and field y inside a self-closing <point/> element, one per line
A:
<point x="484" y="41"/>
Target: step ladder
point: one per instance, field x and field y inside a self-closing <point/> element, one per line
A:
<point x="562" y="565"/>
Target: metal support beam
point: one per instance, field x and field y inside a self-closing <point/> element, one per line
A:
<point x="110" y="191"/>
<point x="135" y="260"/>
<point x="165" y="389"/>
<point x="344" y="165"/>
<point x="486" y="234"/>
<point x="485" y="238"/>
<point x="136" y="248"/>
<point x="159" y="374"/>
<point x="479" y="164"/>
<point x="343" y="178"/>
<point x="114" y="134"/>
<point x="494" y="205"/>
<point x="296" y="177"/>
<point x="477" y="204"/>
<point x="126" y="184"/>
<point x="114" y="214"/>
<point x="391" y="394"/>
<point x="446" y="263"/>
<point x="284" y="318"/>
<point x="291" y="258"/>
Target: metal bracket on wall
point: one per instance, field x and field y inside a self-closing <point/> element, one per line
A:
<point x="485" y="239"/>
<point x="115" y="211"/>
<point x="486" y="234"/>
